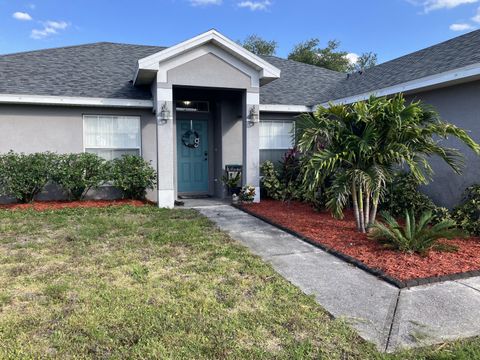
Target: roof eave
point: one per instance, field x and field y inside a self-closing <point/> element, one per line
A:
<point x="444" y="79"/>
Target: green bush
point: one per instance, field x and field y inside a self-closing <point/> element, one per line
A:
<point x="418" y="237"/>
<point x="290" y="176"/>
<point x="402" y="193"/>
<point x="467" y="214"/>
<point x="23" y="176"/>
<point x="133" y="175"/>
<point x="270" y="182"/>
<point x="78" y="173"/>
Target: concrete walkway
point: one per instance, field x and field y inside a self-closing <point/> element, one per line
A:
<point x="381" y="313"/>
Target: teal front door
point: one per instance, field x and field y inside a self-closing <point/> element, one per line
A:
<point x="192" y="156"/>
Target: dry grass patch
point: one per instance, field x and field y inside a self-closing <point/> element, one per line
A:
<point x="126" y="282"/>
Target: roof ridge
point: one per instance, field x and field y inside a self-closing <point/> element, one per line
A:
<point x="308" y="65"/>
<point x="53" y="48"/>
<point x="76" y="46"/>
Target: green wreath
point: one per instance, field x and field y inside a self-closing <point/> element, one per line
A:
<point x="191" y="139"/>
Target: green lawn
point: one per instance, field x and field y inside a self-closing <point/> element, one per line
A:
<point x="142" y="283"/>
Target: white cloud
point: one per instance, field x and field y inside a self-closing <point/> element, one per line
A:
<point x="23" y="16"/>
<point x="476" y="18"/>
<point x="255" y="5"/>
<point x="431" y="5"/>
<point x="205" y="2"/>
<point x="49" y="28"/>
<point x="58" y="25"/>
<point x="461" y="27"/>
<point x="353" y="58"/>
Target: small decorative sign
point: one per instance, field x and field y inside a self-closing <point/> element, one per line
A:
<point x="233" y="168"/>
<point x="191" y="139"/>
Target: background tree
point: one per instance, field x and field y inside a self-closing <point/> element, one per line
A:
<point x="259" y="46"/>
<point x="329" y="57"/>
<point x="359" y="145"/>
<point x="366" y="61"/>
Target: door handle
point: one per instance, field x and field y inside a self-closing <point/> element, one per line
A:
<point x="206" y="155"/>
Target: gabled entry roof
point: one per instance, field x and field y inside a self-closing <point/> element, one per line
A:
<point x="147" y="66"/>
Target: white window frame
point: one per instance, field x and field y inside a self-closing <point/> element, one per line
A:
<point x="293" y="122"/>
<point x="139" y="148"/>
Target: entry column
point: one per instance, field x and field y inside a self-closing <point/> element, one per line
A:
<point x="251" y="143"/>
<point x="165" y="145"/>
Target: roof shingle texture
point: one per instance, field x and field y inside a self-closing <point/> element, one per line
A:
<point x="94" y="70"/>
<point x="105" y="70"/>
<point x="449" y="55"/>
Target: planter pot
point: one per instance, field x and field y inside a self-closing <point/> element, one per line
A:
<point x="235" y="190"/>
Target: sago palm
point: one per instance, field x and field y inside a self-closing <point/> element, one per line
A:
<point x="415" y="236"/>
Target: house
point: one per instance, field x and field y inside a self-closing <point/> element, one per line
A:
<point x="196" y="107"/>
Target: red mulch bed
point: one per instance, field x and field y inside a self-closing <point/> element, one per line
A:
<point x="54" y="205"/>
<point x="342" y="236"/>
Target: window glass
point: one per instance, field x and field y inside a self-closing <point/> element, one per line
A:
<point x="276" y="134"/>
<point x="112" y="136"/>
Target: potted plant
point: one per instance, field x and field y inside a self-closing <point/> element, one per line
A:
<point x="247" y="194"/>
<point x="231" y="182"/>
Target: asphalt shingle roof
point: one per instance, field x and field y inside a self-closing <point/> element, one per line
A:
<point x="299" y="84"/>
<point x="105" y="70"/>
<point x="449" y="55"/>
<point x="101" y="70"/>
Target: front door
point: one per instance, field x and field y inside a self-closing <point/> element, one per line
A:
<point x="192" y="156"/>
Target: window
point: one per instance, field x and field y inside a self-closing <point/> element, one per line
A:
<point x="276" y="135"/>
<point x="112" y="136"/>
<point x="192" y="106"/>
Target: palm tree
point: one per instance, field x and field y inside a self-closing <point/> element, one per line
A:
<point x="358" y="146"/>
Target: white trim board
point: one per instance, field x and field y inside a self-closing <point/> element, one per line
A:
<point x="121" y="103"/>
<point x="451" y="76"/>
<point x="285" y="108"/>
<point x="74" y="101"/>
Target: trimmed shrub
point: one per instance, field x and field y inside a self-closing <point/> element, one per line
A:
<point x="78" y="173"/>
<point x="467" y="214"/>
<point x="133" y="175"/>
<point x="23" y="176"/>
<point x="270" y="182"/>
<point x="402" y="193"/>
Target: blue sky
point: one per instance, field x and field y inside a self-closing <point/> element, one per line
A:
<point x="390" y="28"/>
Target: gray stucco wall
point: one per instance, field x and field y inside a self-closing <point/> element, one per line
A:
<point x="32" y="129"/>
<point x="209" y="71"/>
<point x="232" y="135"/>
<point x="459" y="105"/>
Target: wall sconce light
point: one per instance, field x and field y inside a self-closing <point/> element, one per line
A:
<point x="253" y="116"/>
<point x="164" y="115"/>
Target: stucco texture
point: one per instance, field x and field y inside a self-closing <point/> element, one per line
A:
<point x="458" y="105"/>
